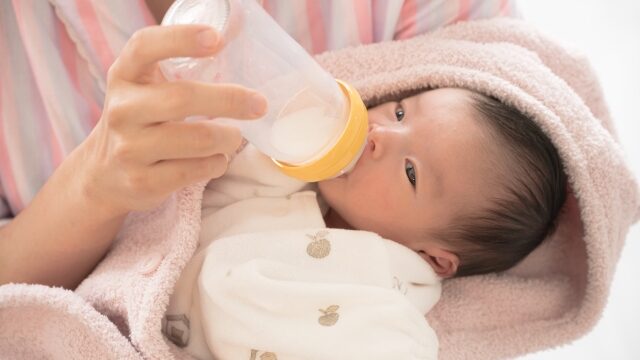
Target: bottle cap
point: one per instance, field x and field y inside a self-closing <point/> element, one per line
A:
<point x="346" y="149"/>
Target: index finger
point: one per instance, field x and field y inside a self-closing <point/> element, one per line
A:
<point x="149" y="45"/>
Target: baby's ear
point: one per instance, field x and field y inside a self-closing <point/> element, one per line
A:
<point x="444" y="262"/>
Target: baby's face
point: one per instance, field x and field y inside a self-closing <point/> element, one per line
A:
<point x="427" y="157"/>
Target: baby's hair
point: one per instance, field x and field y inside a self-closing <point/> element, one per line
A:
<point x="522" y="215"/>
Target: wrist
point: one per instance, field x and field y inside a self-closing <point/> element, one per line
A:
<point x="86" y="187"/>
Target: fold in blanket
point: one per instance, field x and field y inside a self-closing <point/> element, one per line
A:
<point x="554" y="296"/>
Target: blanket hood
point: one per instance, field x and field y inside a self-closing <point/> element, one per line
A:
<point x="558" y="292"/>
<point x="554" y="296"/>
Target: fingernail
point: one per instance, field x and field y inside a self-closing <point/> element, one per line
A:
<point x="207" y="38"/>
<point x="258" y="104"/>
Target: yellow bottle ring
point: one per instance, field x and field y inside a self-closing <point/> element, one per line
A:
<point x="344" y="151"/>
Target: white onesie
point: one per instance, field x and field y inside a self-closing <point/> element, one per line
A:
<point x="276" y="284"/>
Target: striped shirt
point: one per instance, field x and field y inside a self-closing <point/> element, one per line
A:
<point x="55" y="55"/>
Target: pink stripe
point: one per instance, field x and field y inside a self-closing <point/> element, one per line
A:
<point x="504" y="8"/>
<point x="67" y="51"/>
<point x="68" y="54"/>
<point x="316" y="27"/>
<point x="422" y="16"/>
<point x="69" y="58"/>
<point x="96" y="36"/>
<point x="8" y="180"/>
<point x="463" y="11"/>
<point x="267" y="6"/>
<point x="32" y="43"/>
<point x="146" y="14"/>
<point x="365" y="22"/>
<point x="94" y="112"/>
<point x="6" y="168"/>
<point x="407" y="24"/>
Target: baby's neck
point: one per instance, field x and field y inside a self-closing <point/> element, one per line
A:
<point x="333" y="220"/>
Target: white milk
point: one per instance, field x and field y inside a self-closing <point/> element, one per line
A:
<point x="304" y="133"/>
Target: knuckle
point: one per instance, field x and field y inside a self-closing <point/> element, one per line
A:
<point x="230" y="136"/>
<point x="233" y="101"/>
<point x="112" y="72"/>
<point x="204" y="137"/>
<point x="138" y="182"/>
<point x="216" y="166"/>
<point x="135" y="46"/>
<point x="116" y="111"/>
<point x="239" y="100"/>
<point x="123" y="153"/>
<point x="177" y="96"/>
<point x="173" y="37"/>
<point x="235" y="137"/>
<point x="180" y="176"/>
<point x="183" y="176"/>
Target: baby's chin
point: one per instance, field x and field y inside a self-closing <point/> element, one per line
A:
<point x="333" y="187"/>
<point x="331" y="190"/>
<point x="325" y="186"/>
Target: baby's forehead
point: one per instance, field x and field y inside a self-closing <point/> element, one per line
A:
<point x="470" y="153"/>
<point x="407" y="94"/>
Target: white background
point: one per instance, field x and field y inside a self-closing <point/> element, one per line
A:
<point x="609" y="33"/>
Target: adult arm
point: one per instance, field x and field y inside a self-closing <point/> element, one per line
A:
<point x="137" y="155"/>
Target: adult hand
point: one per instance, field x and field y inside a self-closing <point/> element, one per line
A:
<point x="141" y="150"/>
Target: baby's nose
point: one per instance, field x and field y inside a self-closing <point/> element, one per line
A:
<point x="385" y="139"/>
<point x="377" y="140"/>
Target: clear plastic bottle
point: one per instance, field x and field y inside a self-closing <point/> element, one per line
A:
<point x="315" y="127"/>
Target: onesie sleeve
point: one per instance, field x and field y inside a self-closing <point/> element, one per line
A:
<point x="250" y="174"/>
<point x="320" y="294"/>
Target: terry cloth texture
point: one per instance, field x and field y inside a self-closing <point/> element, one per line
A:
<point x="553" y="297"/>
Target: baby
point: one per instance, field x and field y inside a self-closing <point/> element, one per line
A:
<point x="467" y="182"/>
<point x="453" y="182"/>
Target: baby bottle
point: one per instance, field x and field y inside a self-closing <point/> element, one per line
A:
<point x="315" y="126"/>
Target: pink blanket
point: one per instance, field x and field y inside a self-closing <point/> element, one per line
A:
<point x="553" y="297"/>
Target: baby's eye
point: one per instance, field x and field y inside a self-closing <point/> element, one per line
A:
<point x="410" y="170"/>
<point x="399" y="112"/>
